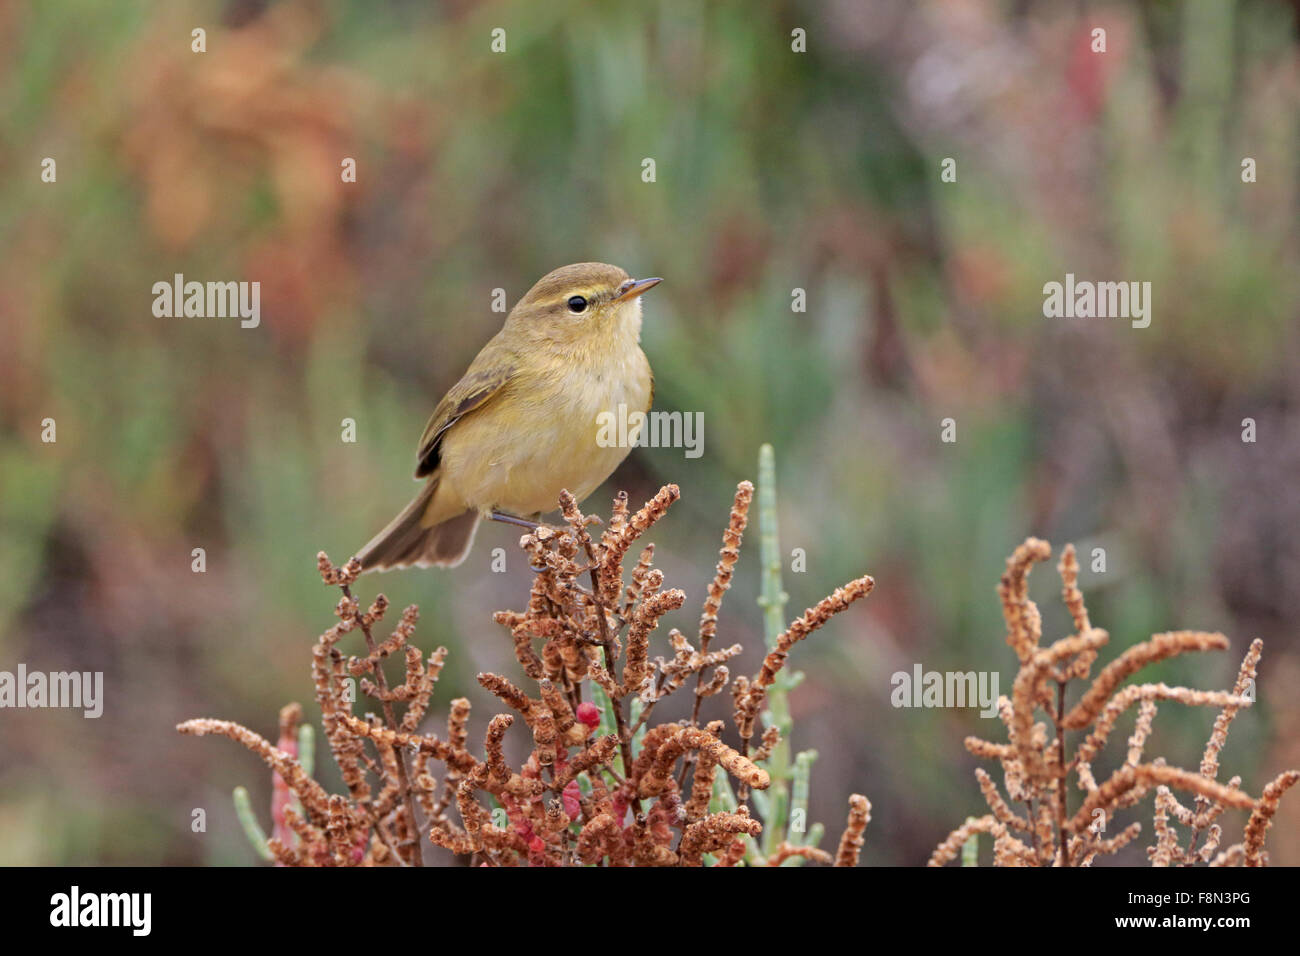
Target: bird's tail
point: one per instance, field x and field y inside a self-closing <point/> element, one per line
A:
<point x="411" y="541"/>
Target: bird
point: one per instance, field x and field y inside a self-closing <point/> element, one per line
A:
<point x="523" y="423"/>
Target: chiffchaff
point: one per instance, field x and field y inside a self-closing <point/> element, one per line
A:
<point x="522" y="424"/>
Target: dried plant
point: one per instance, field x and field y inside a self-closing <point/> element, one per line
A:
<point x="602" y="784"/>
<point x="1036" y="768"/>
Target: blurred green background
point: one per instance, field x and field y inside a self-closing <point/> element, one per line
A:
<point x="776" y="170"/>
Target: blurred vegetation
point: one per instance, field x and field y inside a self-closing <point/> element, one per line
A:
<point x="775" y="170"/>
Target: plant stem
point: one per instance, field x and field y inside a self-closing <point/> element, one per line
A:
<point x="417" y="858"/>
<point x="252" y="829"/>
<point x="1062" y="842"/>
<point x="616" y="703"/>
<point x="772" y="598"/>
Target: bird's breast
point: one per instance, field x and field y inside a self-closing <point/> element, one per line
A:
<point x="568" y="429"/>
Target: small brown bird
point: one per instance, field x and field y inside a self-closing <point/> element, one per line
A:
<point x="524" y="423"/>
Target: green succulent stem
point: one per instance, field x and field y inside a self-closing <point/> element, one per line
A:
<point x="252" y="829"/>
<point x="801" y="775"/>
<point x="772" y="599"/>
<point x="970" y="850"/>
<point x="307" y="748"/>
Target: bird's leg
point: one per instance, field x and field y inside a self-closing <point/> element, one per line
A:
<point x="505" y="518"/>
<point x="501" y="516"/>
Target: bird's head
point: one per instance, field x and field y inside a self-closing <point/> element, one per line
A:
<point x="583" y="306"/>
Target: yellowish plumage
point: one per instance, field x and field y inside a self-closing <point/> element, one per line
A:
<point x="522" y="423"/>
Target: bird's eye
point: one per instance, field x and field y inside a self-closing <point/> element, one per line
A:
<point x="577" y="304"/>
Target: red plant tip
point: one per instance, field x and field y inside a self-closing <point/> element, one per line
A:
<point x="620" y="808"/>
<point x="589" y="714"/>
<point x="536" y="844"/>
<point x="572" y="799"/>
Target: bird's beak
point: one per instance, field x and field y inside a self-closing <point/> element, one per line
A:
<point x="634" y="287"/>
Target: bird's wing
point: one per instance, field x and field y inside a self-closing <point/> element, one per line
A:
<point x="473" y="391"/>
